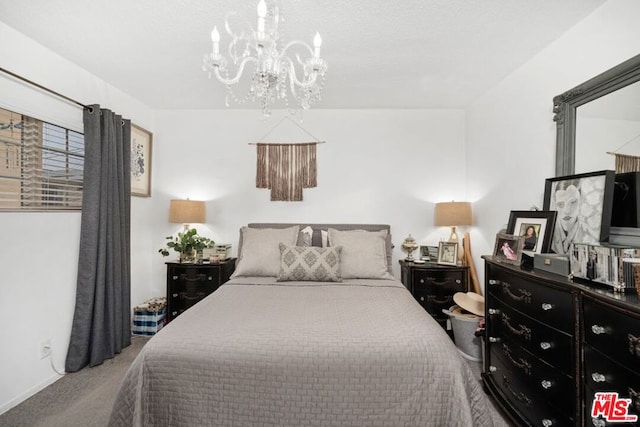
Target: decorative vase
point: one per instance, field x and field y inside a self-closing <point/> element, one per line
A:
<point x="187" y="257"/>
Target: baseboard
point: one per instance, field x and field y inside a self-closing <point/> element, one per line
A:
<point x="27" y="394"/>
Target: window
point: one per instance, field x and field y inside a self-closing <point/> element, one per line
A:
<point x="41" y="165"/>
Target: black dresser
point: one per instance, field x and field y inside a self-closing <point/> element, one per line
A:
<point x="189" y="283"/>
<point x="551" y="344"/>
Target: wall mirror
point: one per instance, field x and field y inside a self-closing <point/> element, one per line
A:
<point x="597" y="117"/>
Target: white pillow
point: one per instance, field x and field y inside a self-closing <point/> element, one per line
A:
<point x="364" y="253"/>
<point x="260" y="251"/>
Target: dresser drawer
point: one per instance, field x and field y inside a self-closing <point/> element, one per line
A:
<point x="613" y="333"/>
<point x="603" y="375"/>
<point x="549" y="344"/>
<point x="551" y="306"/>
<point x="526" y="399"/>
<point x="553" y="385"/>
<point x="439" y="278"/>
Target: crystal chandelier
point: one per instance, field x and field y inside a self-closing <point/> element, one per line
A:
<point x="278" y="71"/>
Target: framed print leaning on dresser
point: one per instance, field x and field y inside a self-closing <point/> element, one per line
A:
<point x="584" y="203"/>
<point x="141" y="141"/>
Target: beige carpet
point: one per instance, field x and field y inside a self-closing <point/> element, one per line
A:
<point x="83" y="398"/>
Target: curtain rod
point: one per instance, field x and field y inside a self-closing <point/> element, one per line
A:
<point x="46" y="89"/>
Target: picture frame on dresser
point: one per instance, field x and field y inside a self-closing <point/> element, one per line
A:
<point x="536" y="227"/>
<point x="584" y="203"/>
<point x="448" y="253"/>
<point x="508" y="248"/>
<point x="428" y="253"/>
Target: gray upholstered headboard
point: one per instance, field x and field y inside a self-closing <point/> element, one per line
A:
<point x="316" y="238"/>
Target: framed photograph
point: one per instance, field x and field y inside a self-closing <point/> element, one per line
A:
<point x="141" y="141"/>
<point x="508" y="248"/>
<point x="429" y="253"/>
<point x="448" y="253"/>
<point x="536" y="227"/>
<point x="584" y="203"/>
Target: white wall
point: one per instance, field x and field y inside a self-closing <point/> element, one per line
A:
<point x="377" y="166"/>
<point x="39" y="251"/>
<point x="381" y="166"/>
<point x="510" y="129"/>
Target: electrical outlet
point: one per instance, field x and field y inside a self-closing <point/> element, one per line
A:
<point x="45" y="349"/>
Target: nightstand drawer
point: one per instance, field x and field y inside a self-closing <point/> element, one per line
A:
<point x="187" y="284"/>
<point x="433" y="286"/>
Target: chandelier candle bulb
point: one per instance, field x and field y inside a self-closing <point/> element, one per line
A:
<point x="262" y="13"/>
<point x="317" y="42"/>
<point x="215" y="38"/>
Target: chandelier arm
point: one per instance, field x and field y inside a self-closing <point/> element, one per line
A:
<point x="293" y="78"/>
<point x="236" y="79"/>
<point x="296" y="42"/>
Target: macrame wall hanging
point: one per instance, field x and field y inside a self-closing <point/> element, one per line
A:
<point x="286" y="168"/>
<point x="625" y="162"/>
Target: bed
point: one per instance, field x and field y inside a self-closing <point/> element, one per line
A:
<point x="340" y="344"/>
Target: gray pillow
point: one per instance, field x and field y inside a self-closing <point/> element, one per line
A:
<point x="260" y="252"/>
<point x="309" y="263"/>
<point x="364" y="253"/>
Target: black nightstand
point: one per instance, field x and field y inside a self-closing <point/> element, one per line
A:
<point x="189" y="283"/>
<point x="433" y="285"/>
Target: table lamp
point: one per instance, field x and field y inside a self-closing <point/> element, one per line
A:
<point x="453" y="214"/>
<point x="186" y="212"/>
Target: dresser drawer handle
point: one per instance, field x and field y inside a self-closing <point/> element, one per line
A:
<point x="175" y="277"/>
<point x="458" y="281"/>
<point x="546" y="384"/>
<point x="545" y="345"/>
<point x="421" y="298"/>
<point x="422" y="281"/>
<point x="520" y="396"/>
<point x="494" y="282"/>
<point x="522" y="363"/>
<point x="598" y="377"/>
<point x="547" y="422"/>
<point x="522" y="330"/>
<point x="546" y="306"/>
<point x="525" y="296"/>
<point x="494" y="339"/>
<point x="433" y="298"/>
<point x="598" y="422"/>
<point x="598" y="330"/>
<point x="175" y="295"/>
<point x="185" y="296"/>
<point x="492" y="368"/>
<point x="494" y="311"/>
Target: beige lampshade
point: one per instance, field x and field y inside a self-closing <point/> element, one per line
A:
<point x="186" y="211"/>
<point x="450" y="214"/>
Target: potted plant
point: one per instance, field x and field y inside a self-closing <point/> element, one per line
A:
<point x="187" y="244"/>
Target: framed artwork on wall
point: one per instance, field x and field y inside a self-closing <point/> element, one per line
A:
<point x="584" y="203"/>
<point x="536" y="227"/>
<point x="141" y="142"/>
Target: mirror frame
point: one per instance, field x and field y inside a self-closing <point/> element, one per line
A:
<point x="565" y="104"/>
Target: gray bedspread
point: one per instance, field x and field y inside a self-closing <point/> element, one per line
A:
<point x="262" y="353"/>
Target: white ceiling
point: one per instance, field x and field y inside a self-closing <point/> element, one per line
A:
<point x="381" y="53"/>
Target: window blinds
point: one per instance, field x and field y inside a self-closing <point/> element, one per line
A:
<point x="41" y="165"/>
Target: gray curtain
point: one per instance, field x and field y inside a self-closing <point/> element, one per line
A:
<point x="102" y="321"/>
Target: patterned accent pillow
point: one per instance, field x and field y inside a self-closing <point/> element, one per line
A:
<point x="309" y="263"/>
